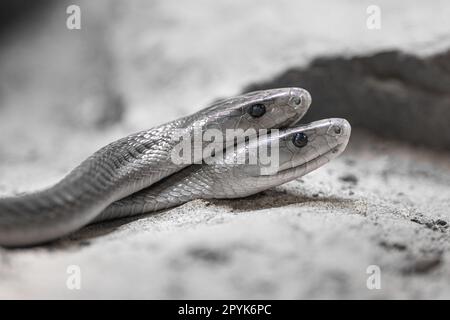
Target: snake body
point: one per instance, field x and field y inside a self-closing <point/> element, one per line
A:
<point x="134" y="163"/>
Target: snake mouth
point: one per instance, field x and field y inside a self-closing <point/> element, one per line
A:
<point x="315" y="162"/>
<point x="306" y="167"/>
<point x="295" y="122"/>
<point x="291" y="123"/>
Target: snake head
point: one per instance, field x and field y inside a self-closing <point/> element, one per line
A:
<point x="265" y="109"/>
<point x="277" y="158"/>
<point x="293" y="152"/>
<point x="308" y="147"/>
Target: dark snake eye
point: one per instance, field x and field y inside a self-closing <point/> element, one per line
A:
<point x="257" y="110"/>
<point x="300" y="139"/>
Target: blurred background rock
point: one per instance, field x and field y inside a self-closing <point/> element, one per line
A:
<point x="143" y="62"/>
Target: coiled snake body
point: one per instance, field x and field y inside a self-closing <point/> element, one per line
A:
<point x="135" y="174"/>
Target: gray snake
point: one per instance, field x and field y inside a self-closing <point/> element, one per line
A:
<point x="135" y="174"/>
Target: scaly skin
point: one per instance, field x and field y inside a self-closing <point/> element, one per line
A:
<point x="228" y="178"/>
<point x="132" y="164"/>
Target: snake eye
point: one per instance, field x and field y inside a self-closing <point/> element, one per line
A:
<point x="300" y="139"/>
<point x="257" y="110"/>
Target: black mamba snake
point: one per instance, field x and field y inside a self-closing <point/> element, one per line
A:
<point x="135" y="174"/>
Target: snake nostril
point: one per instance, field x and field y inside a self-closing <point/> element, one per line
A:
<point x="300" y="139"/>
<point x="337" y="130"/>
<point x="257" y="110"/>
<point x="298" y="100"/>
